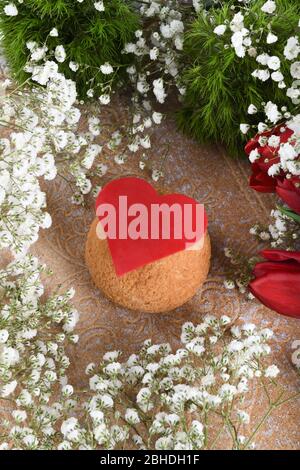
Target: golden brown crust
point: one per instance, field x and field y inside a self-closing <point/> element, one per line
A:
<point x="160" y="286"/>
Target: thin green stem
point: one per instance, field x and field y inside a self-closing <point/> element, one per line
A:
<point x="258" y="426"/>
<point x="217" y="437"/>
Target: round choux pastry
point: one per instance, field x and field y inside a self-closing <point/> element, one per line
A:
<point x="157" y="287"/>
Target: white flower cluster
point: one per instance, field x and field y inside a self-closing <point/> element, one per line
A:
<point x="32" y="356"/>
<point x="156" y="399"/>
<point x="11" y="10"/>
<point x="239" y="271"/>
<point x="99" y="5"/>
<point x="285" y="72"/>
<point x="240" y="35"/>
<point x="245" y="40"/>
<point x="44" y="139"/>
<point x="282" y="233"/>
<point x="207" y="374"/>
<point x="157" y="51"/>
<point x="155" y="70"/>
<point x="289" y="151"/>
<point x="273" y="113"/>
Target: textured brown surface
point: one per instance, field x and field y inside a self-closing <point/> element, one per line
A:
<point x="157" y="287"/>
<point x="208" y="175"/>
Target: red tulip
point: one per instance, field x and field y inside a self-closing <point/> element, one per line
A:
<point x="289" y="191"/>
<point x="261" y="181"/>
<point x="277" y="281"/>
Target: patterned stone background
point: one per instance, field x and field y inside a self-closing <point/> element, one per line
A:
<point x="207" y="174"/>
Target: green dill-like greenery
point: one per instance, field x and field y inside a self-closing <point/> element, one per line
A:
<point x="89" y="36"/>
<point x="219" y="85"/>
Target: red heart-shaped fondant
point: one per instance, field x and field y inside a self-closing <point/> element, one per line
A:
<point x="128" y="253"/>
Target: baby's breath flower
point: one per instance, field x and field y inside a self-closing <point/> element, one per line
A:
<point x="11" y="10"/>
<point x="104" y="99"/>
<point x="243" y="416"/>
<point x="131" y="416"/>
<point x="156" y="378"/>
<point x="99" y="5"/>
<point x="272" y="371"/>
<point x="269" y="7"/>
<point x="229" y="284"/>
<point x="67" y="390"/>
<point x="106" y="69"/>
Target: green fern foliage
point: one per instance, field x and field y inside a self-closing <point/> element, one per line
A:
<point x="90" y="37"/>
<point x="219" y="85"/>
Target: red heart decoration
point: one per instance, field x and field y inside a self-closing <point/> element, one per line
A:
<point x="129" y="254"/>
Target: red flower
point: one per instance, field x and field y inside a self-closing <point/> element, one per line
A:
<point x="261" y="181"/>
<point x="277" y="281"/>
<point x="269" y="155"/>
<point x="267" y="151"/>
<point x="289" y="191"/>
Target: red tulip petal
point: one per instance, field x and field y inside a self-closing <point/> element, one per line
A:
<point x="284" y="136"/>
<point x="290" y="197"/>
<point x="267" y="159"/>
<point x="251" y="145"/>
<point x="268" y="266"/>
<point x="280" y="291"/>
<point x="261" y="181"/>
<point x="280" y="255"/>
